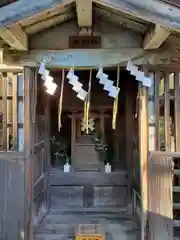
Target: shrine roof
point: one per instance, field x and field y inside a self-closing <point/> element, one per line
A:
<point x="23" y="18"/>
<point x="164" y="12"/>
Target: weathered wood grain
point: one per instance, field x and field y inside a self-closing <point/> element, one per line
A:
<point x="143" y="150"/>
<point x="160" y="215"/>
<point x="15" y="37"/>
<point x="12" y="193"/>
<point x="112" y="36"/>
<point x="84" y="13"/>
<point x="155" y="37"/>
<point x="24" y="9"/>
<point x="150" y="10"/>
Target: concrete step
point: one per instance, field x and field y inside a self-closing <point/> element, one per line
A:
<point x="54" y="227"/>
<point x="176" y="206"/>
<point x="176" y="189"/>
<point x="177" y="171"/>
<point x="119" y="210"/>
<point x="176" y="223"/>
<point x="46" y="236"/>
<point x="57" y="226"/>
<point x="57" y="216"/>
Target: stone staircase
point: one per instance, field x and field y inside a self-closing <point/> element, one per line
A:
<point x="62" y="225"/>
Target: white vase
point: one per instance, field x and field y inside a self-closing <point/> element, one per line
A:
<point x="107" y="168"/>
<point x="67" y="167"/>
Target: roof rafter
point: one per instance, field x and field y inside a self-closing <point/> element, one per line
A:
<point x="22" y="9"/>
<point x="155" y="37"/>
<point x="150" y="10"/>
<point x="15" y="37"/>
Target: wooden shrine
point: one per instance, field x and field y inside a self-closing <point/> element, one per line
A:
<point x="84" y="155"/>
<point x="86" y="35"/>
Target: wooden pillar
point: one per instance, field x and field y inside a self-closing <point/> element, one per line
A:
<point x="102" y="121"/>
<point x="27" y="151"/>
<point x="157" y="111"/>
<point x="5" y="120"/>
<point x="73" y="137"/>
<point x="143" y="144"/>
<point x="129" y="134"/>
<point x="129" y="127"/>
<point x="47" y="143"/>
<point x="151" y="114"/>
<point x="177" y="112"/>
<point x="20" y="112"/>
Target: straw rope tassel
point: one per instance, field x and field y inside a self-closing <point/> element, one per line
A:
<point x="88" y="101"/>
<point x="115" y="105"/>
<point x="60" y="102"/>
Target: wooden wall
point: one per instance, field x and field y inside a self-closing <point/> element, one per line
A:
<point x="12" y="196"/>
<point x="160" y="212"/>
<point x="159" y="114"/>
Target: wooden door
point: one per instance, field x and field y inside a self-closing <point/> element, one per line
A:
<point x="37" y="146"/>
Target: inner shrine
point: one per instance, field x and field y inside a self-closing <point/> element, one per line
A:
<point x="89" y="150"/>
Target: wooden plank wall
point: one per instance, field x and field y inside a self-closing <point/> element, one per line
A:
<point x="160" y="213"/>
<point x="12" y="158"/>
<point x="159" y="112"/>
<point x="12" y="195"/>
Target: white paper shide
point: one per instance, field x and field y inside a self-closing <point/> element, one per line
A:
<point x="76" y="85"/>
<point x="107" y="84"/>
<point x="140" y="76"/>
<point x="48" y="80"/>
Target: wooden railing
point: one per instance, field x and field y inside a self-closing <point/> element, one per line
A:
<point x="160" y="204"/>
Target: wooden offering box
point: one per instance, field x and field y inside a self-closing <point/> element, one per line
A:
<point x="90" y="232"/>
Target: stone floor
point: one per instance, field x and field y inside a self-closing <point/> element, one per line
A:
<point x="56" y="226"/>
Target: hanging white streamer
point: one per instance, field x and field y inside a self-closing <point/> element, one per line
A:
<point x="48" y="80"/>
<point x="107" y="83"/>
<point x="77" y="86"/>
<point x="140" y="76"/>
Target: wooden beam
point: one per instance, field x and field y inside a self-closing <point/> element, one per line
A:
<point x="155" y="37"/>
<point x="153" y="11"/>
<point x="23" y="9"/>
<point x="10" y="68"/>
<point x="83" y="59"/>
<point x="84" y="13"/>
<point x="15" y="37"/>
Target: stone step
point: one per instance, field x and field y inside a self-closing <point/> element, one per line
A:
<point x="47" y="236"/>
<point x="53" y="227"/>
<point x="176" y="206"/>
<point x="62" y="226"/>
<point x="119" y="210"/>
<point x="176" y="189"/>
